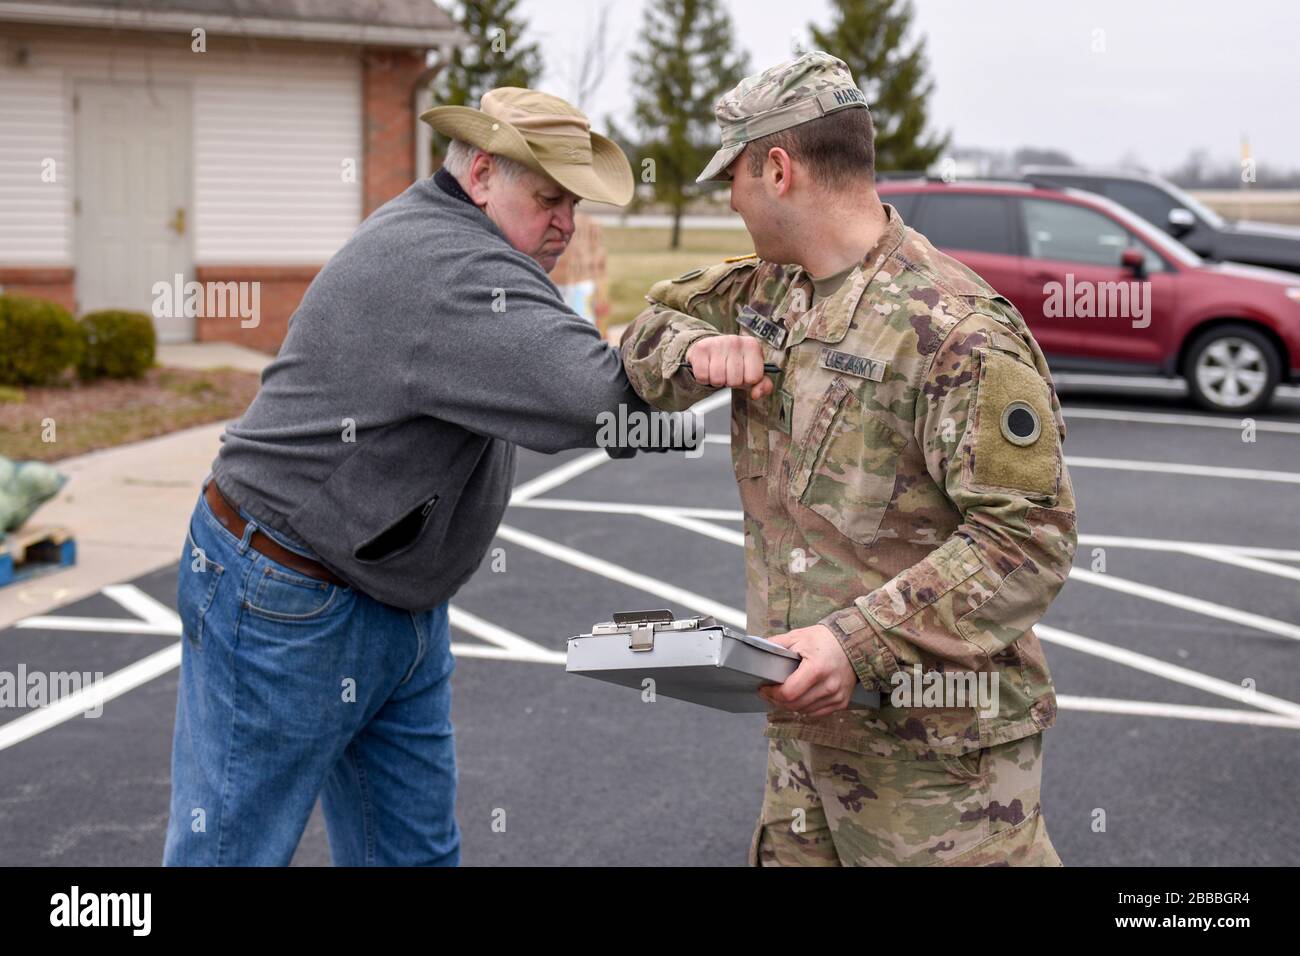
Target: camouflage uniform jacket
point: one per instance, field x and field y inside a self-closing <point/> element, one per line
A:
<point x="883" y="494"/>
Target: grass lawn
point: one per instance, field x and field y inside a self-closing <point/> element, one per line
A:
<point x="109" y="413"/>
<point x="638" y="258"/>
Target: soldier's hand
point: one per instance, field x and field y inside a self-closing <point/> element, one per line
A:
<point x="824" y="680"/>
<point x="730" y="361"/>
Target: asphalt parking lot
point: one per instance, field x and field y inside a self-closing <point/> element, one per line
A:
<point x="1199" y="532"/>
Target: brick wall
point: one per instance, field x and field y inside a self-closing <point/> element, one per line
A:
<point x="387" y="81"/>
<point x="54" y="285"/>
<point x="280" y="289"/>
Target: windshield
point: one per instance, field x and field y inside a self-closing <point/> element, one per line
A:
<point x="1195" y="205"/>
<point x="1148" y="233"/>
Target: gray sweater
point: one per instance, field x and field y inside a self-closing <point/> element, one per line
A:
<point x="383" y="435"/>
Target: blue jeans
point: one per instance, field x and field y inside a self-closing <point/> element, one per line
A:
<point x="293" y="688"/>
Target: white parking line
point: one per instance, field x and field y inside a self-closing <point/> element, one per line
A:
<point x="1109" y="705"/>
<point x="615" y="572"/>
<point x="1160" y="418"/>
<point x="152" y="616"/>
<point x="1156" y="383"/>
<point x="1177" y="468"/>
<point x="91" y="696"/>
<point x="156" y="618"/>
<point x="1185" y="603"/>
<point x="1179" y="675"/>
<point x="621" y="508"/>
<point x="572" y="469"/>
<point x="1169" y="544"/>
<point x="691" y="522"/>
<point x="558" y="476"/>
<point x="736" y="618"/>
<point x="729" y="535"/>
<point x="1250" y="564"/>
<point x="1160" y="467"/>
<point x="508" y="644"/>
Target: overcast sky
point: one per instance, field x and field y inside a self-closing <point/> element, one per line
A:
<point x="1175" y="75"/>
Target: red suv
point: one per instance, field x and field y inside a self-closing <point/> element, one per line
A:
<point x="1104" y="290"/>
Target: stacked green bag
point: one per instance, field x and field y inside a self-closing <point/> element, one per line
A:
<point x="24" y="487"/>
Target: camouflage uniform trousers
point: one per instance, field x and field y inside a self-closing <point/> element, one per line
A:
<point x="829" y="807"/>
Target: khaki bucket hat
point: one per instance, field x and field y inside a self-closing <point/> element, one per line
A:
<point x="544" y="133"/>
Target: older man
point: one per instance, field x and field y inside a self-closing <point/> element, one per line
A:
<point x="364" y="485"/>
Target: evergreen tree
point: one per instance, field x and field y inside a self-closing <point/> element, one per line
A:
<point x="871" y="37"/>
<point x="495" y="55"/>
<point x="687" y="60"/>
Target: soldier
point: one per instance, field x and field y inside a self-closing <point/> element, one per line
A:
<point x="908" y="515"/>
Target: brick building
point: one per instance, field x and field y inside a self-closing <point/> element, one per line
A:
<point x="148" y="142"/>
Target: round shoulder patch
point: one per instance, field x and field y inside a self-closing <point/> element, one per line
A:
<point x="1020" y="424"/>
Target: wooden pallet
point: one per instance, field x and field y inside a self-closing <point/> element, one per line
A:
<point x="28" y="552"/>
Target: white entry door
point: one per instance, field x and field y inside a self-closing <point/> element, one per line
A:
<point x="132" y="181"/>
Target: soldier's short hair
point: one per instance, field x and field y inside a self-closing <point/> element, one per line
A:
<point x="839" y="149"/>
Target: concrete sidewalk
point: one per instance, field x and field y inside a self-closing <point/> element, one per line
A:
<point x="210" y="355"/>
<point x="128" y="507"/>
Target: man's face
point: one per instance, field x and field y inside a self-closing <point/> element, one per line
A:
<point x="751" y="197"/>
<point x="534" y="212"/>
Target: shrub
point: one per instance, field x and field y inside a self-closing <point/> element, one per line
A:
<point x="118" y="345"/>
<point x="38" y="340"/>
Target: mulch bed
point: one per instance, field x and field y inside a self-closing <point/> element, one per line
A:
<point x="108" y="413"/>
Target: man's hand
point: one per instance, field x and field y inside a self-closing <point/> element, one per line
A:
<point x="733" y="361"/>
<point x="824" y="680"/>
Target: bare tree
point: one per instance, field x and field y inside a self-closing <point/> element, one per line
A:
<point x="592" y="58"/>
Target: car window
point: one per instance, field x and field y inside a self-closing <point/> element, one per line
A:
<point x="905" y="203"/>
<point x="967" y="221"/>
<point x="1070" y="233"/>
<point x="1147" y="201"/>
<point x="1074" y="182"/>
<point x="1167" y="246"/>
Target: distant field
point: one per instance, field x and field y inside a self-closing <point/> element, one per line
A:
<point x="1280" y="205"/>
<point x="637" y="258"/>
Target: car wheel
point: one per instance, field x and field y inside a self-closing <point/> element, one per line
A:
<point x="1232" y="368"/>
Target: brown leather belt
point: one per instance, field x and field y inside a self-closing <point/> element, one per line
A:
<point x="229" y="517"/>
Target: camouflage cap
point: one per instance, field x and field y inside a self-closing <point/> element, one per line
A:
<point x="781" y="96"/>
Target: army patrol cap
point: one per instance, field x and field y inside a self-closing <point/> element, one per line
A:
<point x="782" y="96"/>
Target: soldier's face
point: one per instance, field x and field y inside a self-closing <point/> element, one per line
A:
<point x="757" y="201"/>
<point x="535" y="213"/>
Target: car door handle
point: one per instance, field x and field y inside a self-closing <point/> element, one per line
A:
<point x="1043" y="276"/>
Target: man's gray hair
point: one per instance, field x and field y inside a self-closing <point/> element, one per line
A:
<point x="461" y="154"/>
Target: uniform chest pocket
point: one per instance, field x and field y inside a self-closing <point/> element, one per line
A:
<point x="847" y="465"/>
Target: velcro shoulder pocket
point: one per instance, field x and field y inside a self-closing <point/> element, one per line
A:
<point x="680" y="292"/>
<point x="1016" y="446"/>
